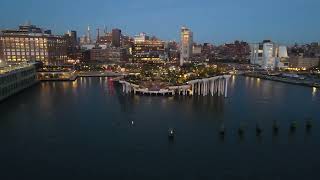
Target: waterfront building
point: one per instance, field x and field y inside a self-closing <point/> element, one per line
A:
<point x="30" y="43"/>
<point x="186" y="45"/>
<point x="145" y="49"/>
<point x="303" y="63"/>
<point x="269" y="55"/>
<point x="56" y="73"/>
<point x="16" y="77"/>
<point x="116" y="37"/>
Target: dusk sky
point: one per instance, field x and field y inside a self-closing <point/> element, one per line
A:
<point x="215" y="21"/>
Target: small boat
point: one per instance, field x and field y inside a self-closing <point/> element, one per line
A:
<point x="171" y="133"/>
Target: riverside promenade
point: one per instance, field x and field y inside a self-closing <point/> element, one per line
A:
<point x="73" y="75"/>
<point x="295" y="81"/>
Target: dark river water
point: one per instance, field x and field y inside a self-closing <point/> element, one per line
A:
<point x="84" y="130"/>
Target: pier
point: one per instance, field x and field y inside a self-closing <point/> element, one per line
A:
<point x="15" y="78"/>
<point x="217" y="85"/>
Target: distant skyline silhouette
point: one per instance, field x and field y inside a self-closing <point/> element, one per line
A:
<point x="214" y="21"/>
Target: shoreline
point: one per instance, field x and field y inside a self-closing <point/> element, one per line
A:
<point x="76" y="75"/>
<point x="297" y="82"/>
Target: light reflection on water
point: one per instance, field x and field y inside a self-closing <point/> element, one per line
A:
<point x="90" y="121"/>
<point x="314" y="91"/>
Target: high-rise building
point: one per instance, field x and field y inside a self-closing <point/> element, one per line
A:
<point x="269" y="55"/>
<point x="88" y="37"/>
<point x="30" y="43"/>
<point x="186" y="45"/>
<point x="73" y="37"/>
<point x="72" y="44"/>
<point x="116" y="35"/>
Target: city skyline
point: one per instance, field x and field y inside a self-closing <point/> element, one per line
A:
<point x="214" y="22"/>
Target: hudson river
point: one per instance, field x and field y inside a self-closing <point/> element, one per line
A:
<point x="88" y="130"/>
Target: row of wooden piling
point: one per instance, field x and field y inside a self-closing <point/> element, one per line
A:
<point x="275" y="128"/>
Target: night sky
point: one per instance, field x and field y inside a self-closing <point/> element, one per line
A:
<point x="215" y="21"/>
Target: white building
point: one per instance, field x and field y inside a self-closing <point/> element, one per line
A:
<point x="269" y="55"/>
<point x="142" y="37"/>
<point x="186" y="45"/>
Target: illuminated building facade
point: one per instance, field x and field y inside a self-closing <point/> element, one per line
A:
<point x="148" y="50"/>
<point x="30" y="43"/>
<point x="186" y="45"/>
<point x="304" y="63"/>
<point x="269" y="55"/>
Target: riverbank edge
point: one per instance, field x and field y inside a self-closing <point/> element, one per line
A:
<point x="82" y="74"/>
<point x="283" y="80"/>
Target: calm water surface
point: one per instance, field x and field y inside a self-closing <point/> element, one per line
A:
<point x="84" y="130"/>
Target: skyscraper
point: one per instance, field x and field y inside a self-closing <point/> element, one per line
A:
<point x="186" y="45"/>
<point x="88" y="39"/>
<point x="116" y="34"/>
